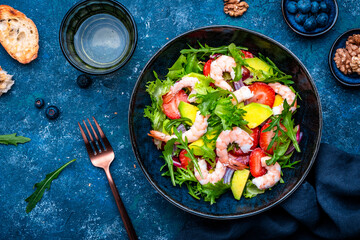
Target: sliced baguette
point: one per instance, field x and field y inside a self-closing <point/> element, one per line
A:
<point x="18" y="35"/>
<point x="5" y="82"/>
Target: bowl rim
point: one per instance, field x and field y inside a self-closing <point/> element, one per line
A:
<point x="330" y="60"/>
<point x="310" y="34"/>
<point x="108" y="71"/>
<point x="163" y="193"/>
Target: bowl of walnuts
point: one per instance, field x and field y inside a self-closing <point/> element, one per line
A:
<point x="344" y="58"/>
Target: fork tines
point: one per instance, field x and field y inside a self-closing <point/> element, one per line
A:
<point x="99" y="144"/>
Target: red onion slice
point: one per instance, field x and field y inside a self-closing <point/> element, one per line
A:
<point x="176" y="162"/>
<point x="228" y="174"/>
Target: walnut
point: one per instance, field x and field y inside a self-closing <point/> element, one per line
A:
<point x="353" y="45"/>
<point x="342" y="59"/>
<point x="355" y="64"/>
<point x="235" y="8"/>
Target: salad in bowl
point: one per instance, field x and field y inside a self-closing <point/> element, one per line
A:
<point x="224" y="120"/>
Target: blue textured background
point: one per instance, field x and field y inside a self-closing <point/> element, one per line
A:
<point x="80" y="203"/>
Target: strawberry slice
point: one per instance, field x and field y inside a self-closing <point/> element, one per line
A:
<point x="255" y="135"/>
<point x="263" y="94"/>
<point x="255" y="163"/>
<point x="247" y="54"/>
<point x="266" y="137"/>
<point x="183" y="159"/>
<point x="171" y="108"/>
<point x="207" y="66"/>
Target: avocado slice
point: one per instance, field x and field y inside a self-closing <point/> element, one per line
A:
<point x="238" y="182"/>
<point x="196" y="146"/>
<point x="256" y="113"/>
<point x="189" y="111"/>
<point x="258" y="64"/>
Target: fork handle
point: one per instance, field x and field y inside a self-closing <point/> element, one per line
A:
<point x="124" y="216"/>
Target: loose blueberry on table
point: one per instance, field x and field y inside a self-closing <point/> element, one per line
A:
<point x="52" y="112"/>
<point x="39" y="103"/>
<point x="84" y="81"/>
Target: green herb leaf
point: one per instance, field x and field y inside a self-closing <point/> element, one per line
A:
<point x="251" y="190"/>
<point x="167" y="154"/>
<point x="210" y="192"/>
<point x="184" y="145"/>
<point x="178" y="69"/>
<point x="34" y="198"/>
<point x="207" y="51"/>
<point x="13" y="139"/>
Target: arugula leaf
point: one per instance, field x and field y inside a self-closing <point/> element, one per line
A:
<point x="34" y="198"/>
<point x="193" y="65"/>
<point x="167" y="155"/>
<point x="239" y="61"/>
<point x="288" y="122"/>
<point x="251" y="190"/>
<point x="210" y="192"/>
<point x="184" y="145"/>
<point x="13" y="139"/>
<point x="207" y="51"/>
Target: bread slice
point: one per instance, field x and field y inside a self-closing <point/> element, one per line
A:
<point x="5" y="82"/>
<point x="18" y="35"/>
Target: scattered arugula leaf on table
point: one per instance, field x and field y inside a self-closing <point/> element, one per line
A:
<point x="13" y="139"/>
<point x="34" y="198"/>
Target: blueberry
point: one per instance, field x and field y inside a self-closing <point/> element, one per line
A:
<point x="322" y="19"/>
<point x="291" y="7"/>
<point x="83" y="81"/>
<point x="315" y="7"/>
<point x="52" y="112"/>
<point x="39" y="103"/>
<point x="310" y="23"/>
<point x="324" y="7"/>
<point x="300" y="18"/>
<point x="304" y="6"/>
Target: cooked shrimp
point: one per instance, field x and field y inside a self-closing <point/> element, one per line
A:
<point x="272" y="176"/>
<point x="244" y="93"/>
<point x="226" y="137"/>
<point x="213" y="177"/>
<point x="286" y="93"/>
<point x="183" y="83"/>
<point x="196" y="131"/>
<point x="218" y="67"/>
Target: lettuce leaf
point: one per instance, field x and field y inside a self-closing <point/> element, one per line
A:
<point x="156" y="90"/>
<point x="251" y="190"/>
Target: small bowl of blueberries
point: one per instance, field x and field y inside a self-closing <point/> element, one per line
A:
<point x="310" y="18"/>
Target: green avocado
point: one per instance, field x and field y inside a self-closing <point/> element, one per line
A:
<point x="258" y="64"/>
<point x="238" y="182"/>
<point x="189" y="111"/>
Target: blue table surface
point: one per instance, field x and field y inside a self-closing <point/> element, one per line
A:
<point x="80" y="203"/>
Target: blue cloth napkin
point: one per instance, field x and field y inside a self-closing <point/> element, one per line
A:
<point x="325" y="206"/>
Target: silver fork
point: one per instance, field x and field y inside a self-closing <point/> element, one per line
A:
<point x="102" y="155"/>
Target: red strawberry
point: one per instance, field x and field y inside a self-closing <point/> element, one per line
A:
<point x="255" y="162"/>
<point x="206" y="69"/>
<point x="263" y="94"/>
<point x="266" y="137"/>
<point x="247" y="54"/>
<point x="255" y="135"/>
<point x="184" y="159"/>
<point x="171" y="108"/>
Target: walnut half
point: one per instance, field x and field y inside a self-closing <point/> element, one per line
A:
<point x="235" y="8"/>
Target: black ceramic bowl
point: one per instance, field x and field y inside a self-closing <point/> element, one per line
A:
<point x="351" y="80"/>
<point x="299" y="29"/>
<point x="309" y="116"/>
<point x="82" y="40"/>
